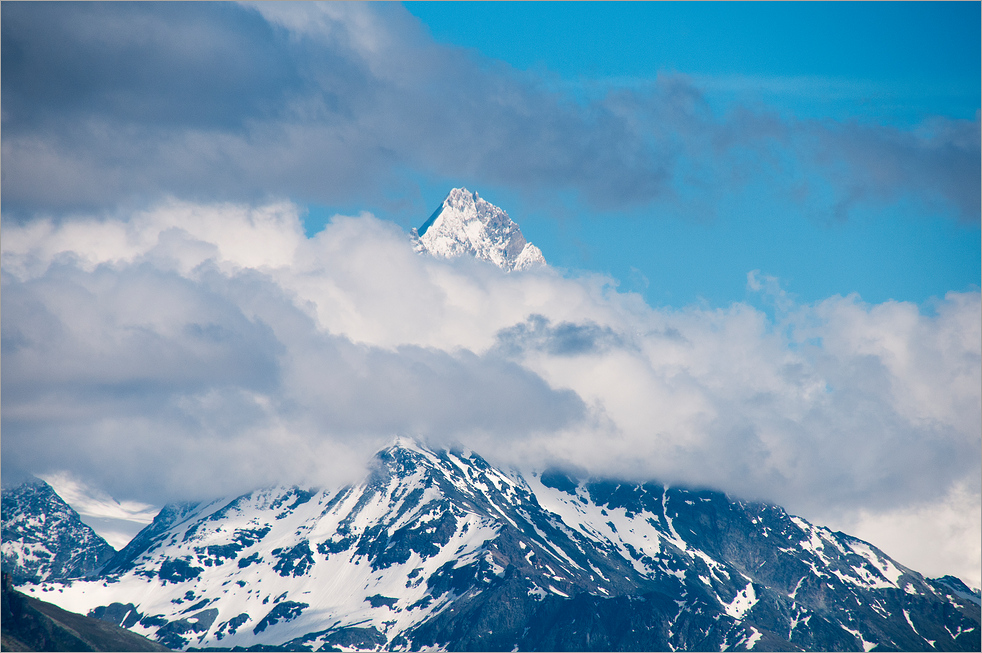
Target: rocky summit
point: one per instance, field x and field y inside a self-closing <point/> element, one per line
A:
<point x="44" y="539"/>
<point x="466" y="224"/>
<point x="438" y="549"/>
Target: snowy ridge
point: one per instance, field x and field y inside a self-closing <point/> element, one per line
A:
<point x="438" y="549"/>
<point x="466" y="224"/>
<point x="771" y="554"/>
<point x="45" y="539"/>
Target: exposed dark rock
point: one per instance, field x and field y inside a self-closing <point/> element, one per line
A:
<point x="285" y="611"/>
<point x="28" y="624"/>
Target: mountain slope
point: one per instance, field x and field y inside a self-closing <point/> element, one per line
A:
<point x="33" y="625"/>
<point x="44" y="539"/>
<point x="466" y="224"/>
<point x="439" y="549"/>
<point x="787" y="578"/>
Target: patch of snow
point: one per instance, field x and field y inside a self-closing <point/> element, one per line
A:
<point x="867" y="646"/>
<point x="911" y="623"/>
<point x="741" y="604"/>
<point x="884" y="566"/>
<point x="753" y="639"/>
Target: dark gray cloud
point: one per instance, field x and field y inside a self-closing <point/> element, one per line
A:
<point x="161" y="65"/>
<point x="938" y="164"/>
<point x="564" y="339"/>
<point x="341" y="103"/>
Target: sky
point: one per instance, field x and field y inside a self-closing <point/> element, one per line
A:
<point x="762" y="224"/>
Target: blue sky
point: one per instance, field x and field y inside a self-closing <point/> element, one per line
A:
<point x="879" y="64"/>
<point x="894" y="61"/>
<point x="675" y="146"/>
<point x="192" y="272"/>
<point x="896" y="64"/>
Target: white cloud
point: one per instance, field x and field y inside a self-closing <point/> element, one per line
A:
<point x="116" y="521"/>
<point x="935" y="538"/>
<point x="196" y="349"/>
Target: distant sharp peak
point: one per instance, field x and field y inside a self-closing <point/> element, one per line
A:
<point x="470" y="203"/>
<point x="467" y="224"/>
<point x="459" y="199"/>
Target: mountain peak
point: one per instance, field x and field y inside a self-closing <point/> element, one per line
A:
<point x="37" y="525"/>
<point x="466" y="223"/>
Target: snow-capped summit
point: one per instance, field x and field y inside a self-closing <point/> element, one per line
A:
<point x="468" y="224"/>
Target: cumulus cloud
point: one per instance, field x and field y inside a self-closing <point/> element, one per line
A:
<point x="215" y="338"/>
<point x="212" y="337"/>
<point x="193" y="349"/>
<point x="335" y="103"/>
<point x="951" y="527"/>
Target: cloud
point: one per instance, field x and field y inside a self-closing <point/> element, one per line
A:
<point x="215" y="305"/>
<point x="339" y="104"/>
<point x="213" y="66"/>
<point x="938" y="164"/>
<point x="180" y="337"/>
<point x="953" y="526"/>
<point x="167" y="353"/>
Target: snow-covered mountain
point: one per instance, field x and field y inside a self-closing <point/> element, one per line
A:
<point x="467" y="224"/>
<point x="44" y="539"/>
<point x="439" y="549"/>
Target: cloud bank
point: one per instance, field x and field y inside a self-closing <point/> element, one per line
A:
<point x="199" y="343"/>
<point x="198" y="349"/>
<point x="337" y="103"/>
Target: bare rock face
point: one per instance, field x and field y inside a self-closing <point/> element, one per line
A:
<point x="466" y="224"/>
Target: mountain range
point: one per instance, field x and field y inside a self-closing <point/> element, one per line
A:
<point x="438" y="549"/>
